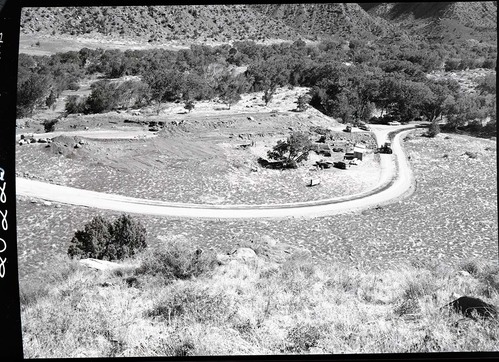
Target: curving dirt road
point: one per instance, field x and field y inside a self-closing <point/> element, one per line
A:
<point x="396" y="181"/>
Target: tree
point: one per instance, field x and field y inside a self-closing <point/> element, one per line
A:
<point x="465" y="108"/>
<point x="165" y="85"/>
<point x="49" y="125"/>
<point x="189" y="105"/>
<point x="103" y="97"/>
<point x="128" y="237"/>
<point x="50" y="99"/>
<point x="230" y="88"/>
<point x="31" y="93"/>
<point x="268" y="94"/>
<point x="434" y="128"/>
<point x="267" y="76"/>
<point x="292" y="151"/>
<point x="303" y="102"/>
<point x="91" y="242"/>
<point x="101" y="239"/>
<point x="441" y="96"/>
<point x="75" y="105"/>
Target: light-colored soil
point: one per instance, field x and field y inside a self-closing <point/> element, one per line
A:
<point x="199" y="160"/>
<point x="451" y="216"/>
<point x="48" y="45"/>
<point x="467" y="79"/>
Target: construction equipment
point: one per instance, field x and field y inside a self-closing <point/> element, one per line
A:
<point x="342" y="165"/>
<point x="386" y="148"/>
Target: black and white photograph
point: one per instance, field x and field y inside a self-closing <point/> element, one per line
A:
<point x="308" y="179"/>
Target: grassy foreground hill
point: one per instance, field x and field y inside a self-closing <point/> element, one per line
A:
<point x="264" y="302"/>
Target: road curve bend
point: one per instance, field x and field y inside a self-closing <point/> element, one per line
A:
<point x="396" y="182"/>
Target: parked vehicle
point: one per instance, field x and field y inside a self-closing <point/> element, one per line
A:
<point x="394" y="123"/>
<point x="324" y="164"/>
<point x="348" y="129"/>
<point x="342" y="165"/>
<point x="386" y="148"/>
<point x="365" y="127"/>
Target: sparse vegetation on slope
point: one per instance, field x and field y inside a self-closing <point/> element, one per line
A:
<point x="251" y="305"/>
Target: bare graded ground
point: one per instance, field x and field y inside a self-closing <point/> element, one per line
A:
<point x="452" y="216"/>
<point x="207" y="156"/>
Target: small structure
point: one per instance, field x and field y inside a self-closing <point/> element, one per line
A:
<point x="349" y="155"/>
<point x="359" y="151"/>
<point x="314" y="182"/>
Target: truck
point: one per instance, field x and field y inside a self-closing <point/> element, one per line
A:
<point x="385" y="148"/>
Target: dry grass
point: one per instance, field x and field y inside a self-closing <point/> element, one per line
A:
<point x="257" y="307"/>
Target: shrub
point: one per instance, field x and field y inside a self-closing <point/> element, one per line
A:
<point x="31" y="292"/>
<point x="50" y="99"/>
<point x="128" y="236"/>
<point x="189" y="105"/>
<point x="178" y="260"/>
<point x="193" y="303"/>
<point x="303" y="102"/>
<point x="75" y="105"/>
<point x="102" y="239"/>
<point x="303" y="337"/>
<point x="434" y="129"/>
<point x="49" y="125"/>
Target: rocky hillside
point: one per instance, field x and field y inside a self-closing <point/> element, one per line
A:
<point x="444" y="21"/>
<point x="218" y="23"/>
<point x="157" y="23"/>
<point x="326" y="19"/>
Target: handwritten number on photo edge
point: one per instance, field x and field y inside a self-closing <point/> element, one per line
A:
<point x="4" y="220"/>
<point x="3" y="197"/>
<point x="4" y="245"/>
<point x="2" y="267"/>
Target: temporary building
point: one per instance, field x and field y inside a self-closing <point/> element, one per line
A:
<point x="359" y="151"/>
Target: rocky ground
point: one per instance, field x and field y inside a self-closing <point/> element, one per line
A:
<point x="206" y="156"/>
<point x="452" y="216"/>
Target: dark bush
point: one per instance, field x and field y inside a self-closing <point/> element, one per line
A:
<point x="49" y="125"/>
<point x="434" y="129"/>
<point x="104" y="240"/>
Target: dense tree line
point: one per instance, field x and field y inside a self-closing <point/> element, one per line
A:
<point x="348" y="79"/>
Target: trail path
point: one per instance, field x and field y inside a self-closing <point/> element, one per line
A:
<point x="396" y="181"/>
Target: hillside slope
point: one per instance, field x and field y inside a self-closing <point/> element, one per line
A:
<point x="156" y="23"/>
<point x="441" y="21"/>
<point x="326" y="19"/>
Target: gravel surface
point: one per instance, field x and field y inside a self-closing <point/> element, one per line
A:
<point x="452" y="216"/>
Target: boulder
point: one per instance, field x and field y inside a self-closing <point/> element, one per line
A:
<point x="100" y="264"/>
<point x="244" y="253"/>
<point x="470" y="305"/>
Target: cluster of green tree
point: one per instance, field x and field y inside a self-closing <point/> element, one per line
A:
<point x="41" y="79"/>
<point x="292" y="151"/>
<point x="107" y="96"/>
<point x="349" y="78"/>
<point x="106" y="240"/>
